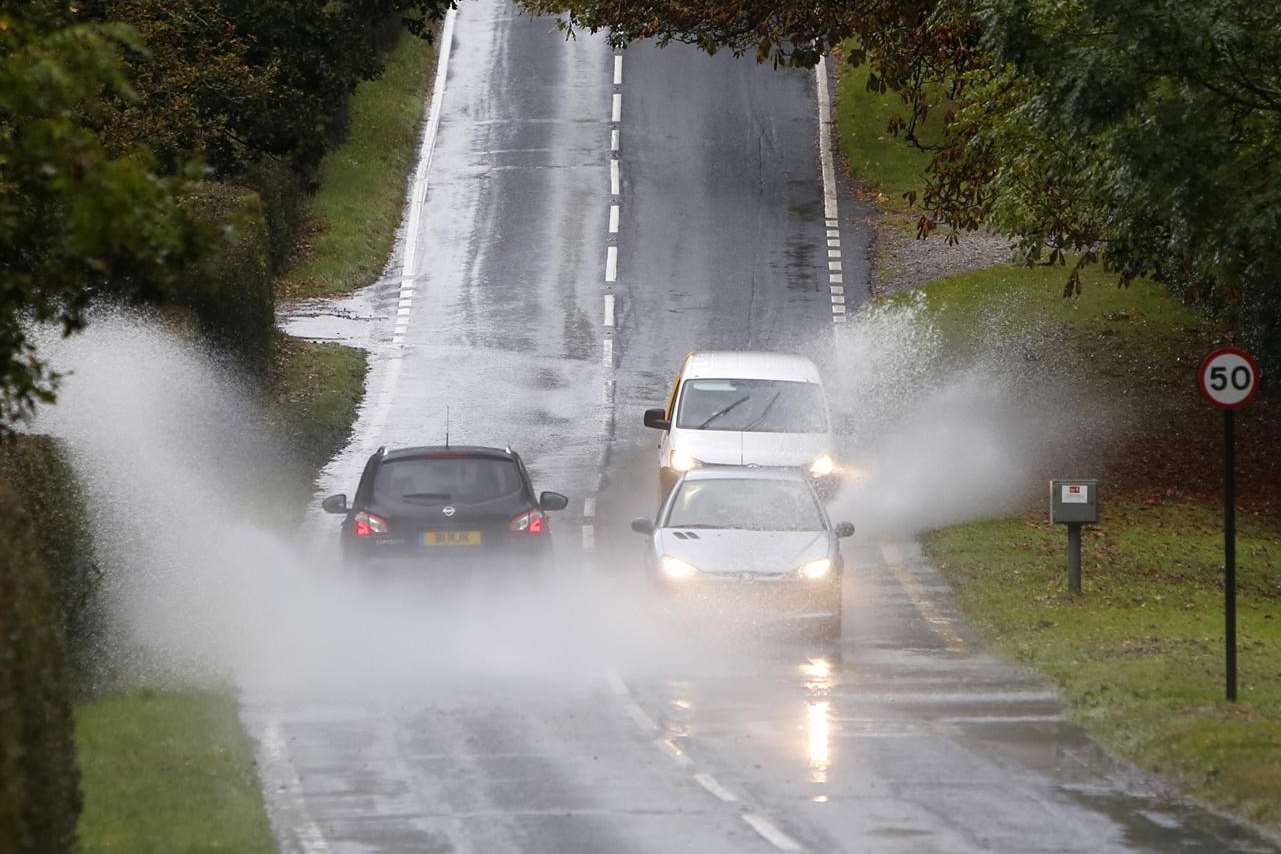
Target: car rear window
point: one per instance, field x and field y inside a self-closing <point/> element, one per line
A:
<point x="753" y="504"/>
<point x="446" y="480"/>
<point x="756" y="406"/>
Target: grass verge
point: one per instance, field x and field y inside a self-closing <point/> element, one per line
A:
<point x="886" y="164"/>
<point x="1139" y="657"/>
<point x="168" y="772"/>
<point x="352" y="219"/>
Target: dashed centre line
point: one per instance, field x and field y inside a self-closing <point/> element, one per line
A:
<point x="830" y="216"/>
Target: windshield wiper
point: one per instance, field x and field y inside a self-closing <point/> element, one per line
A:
<point x="718" y="413"/>
<point x="764" y="412"/>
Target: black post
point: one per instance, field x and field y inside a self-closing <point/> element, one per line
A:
<point x="1074" y="558"/>
<point x="1230" y="553"/>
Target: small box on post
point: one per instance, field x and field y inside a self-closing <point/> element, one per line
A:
<point x="1074" y="503"/>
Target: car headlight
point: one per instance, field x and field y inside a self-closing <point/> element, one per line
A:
<point x="822" y="466"/>
<point x="684" y="461"/>
<point x="816" y="569"/>
<point x="674" y="567"/>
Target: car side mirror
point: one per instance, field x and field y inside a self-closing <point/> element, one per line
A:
<point x="334" y="504"/>
<point x="643" y="526"/>
<point x="657" y="418"/>
<point x="552" y="501"/>
<point x="845" y="529"/>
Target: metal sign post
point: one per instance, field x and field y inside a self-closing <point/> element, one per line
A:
<point x="1229" y="379"/>
<point x="1074" y="503"/>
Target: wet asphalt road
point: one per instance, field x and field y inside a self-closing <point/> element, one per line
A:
<point x="631" y="732"/>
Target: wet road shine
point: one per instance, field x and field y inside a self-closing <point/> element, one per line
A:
<point x="586" y="219"/>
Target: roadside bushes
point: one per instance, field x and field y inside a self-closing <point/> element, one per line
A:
<point x="39" y="779"/>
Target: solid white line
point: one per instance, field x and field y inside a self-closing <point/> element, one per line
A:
<point x="825" y="140"/>
<point x="310" y="838"/>
<point x="770" y="833"/>
<point x="613" y="140"/>
<point x="615" y="180"/>
<point x="609" y="310"/>
<point x="589" y="507"/>
<point x="616" y="683"/>
<point x="618" y="70"/>
<point x="708" y="782"/>
<point x="613" y="219"/>
<point x="678" y="756"/>
<point x="611" y="264"/>
<point x="638" y="716"/>
<point x="616" y="115"/>
<point x="589" y="538"/>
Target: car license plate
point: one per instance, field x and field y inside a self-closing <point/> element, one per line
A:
<point x="451" y="538"/>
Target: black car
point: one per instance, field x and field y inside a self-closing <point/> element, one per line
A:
<point x="442" y="504"/>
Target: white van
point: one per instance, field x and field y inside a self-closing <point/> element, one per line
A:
<point x="745" y="409"/>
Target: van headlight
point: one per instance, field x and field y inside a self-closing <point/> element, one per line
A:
<point x="822" y="466"/>
<point x="683" y="460"/>
<point x="674" y="567"/>
<point x="817" y="569"/>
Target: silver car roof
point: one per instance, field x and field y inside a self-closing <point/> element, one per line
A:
<point x="744" y="473"/>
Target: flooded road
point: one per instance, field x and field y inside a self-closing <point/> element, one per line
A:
<point x="586" y="219"/>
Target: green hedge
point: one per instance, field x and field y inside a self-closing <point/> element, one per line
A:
<point x="38" y="476"/>
<point x="39" y="780"/>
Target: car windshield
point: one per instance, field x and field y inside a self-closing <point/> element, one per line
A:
<point x="442" y="480"/>
<point x="746" y="503"/>
<point x="756" y="406"/>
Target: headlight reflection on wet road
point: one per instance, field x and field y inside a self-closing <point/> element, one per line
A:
<point x="818" y="681"/>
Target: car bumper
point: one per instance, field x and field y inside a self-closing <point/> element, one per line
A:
<point x="757" y="601"/>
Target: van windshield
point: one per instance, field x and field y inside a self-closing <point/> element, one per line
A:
<point x="754" y="406"/>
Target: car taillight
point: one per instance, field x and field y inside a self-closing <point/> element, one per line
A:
<point x="533" y="522"/>
<point x="367" y="524"/>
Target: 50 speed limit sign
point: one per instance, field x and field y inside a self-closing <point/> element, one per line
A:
<point x="1229" y="378"/>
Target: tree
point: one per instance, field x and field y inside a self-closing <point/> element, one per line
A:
<point x="74" y="220"/>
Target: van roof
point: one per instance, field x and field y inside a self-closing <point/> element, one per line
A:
<point x="742" y="365"/>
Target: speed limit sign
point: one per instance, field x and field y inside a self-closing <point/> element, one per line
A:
<point x="1229" y="378"/>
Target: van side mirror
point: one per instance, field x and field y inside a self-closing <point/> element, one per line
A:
<point x="552" y="501"/>
<point x="643" y="526"/>
<point x="334" y="504"/>
<point x="657" y="418"/>
<point x="845" y="529"/>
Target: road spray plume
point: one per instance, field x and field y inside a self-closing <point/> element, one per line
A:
<point x="177" y="466"/>
<point x="935" y="438"/>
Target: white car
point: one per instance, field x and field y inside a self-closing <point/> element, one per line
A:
<point x="735" y="539"/>
<point x="745" y="409"/>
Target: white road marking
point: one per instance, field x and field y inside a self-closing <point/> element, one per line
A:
<point x="833" y="253"/>
<point x="838" y="297"/>
<point x="837" y="289"/>
<point x="771" y="833"/>
<point x="834" y="242"/>
<point x="838" y="309"/>
<point x="836" y="279"/>
<point x="834" y="266"/>
<point x="833" y="223"/>
<point x="678" y="756"/>
<point x="708" y="782"/>
<point x="276" y="750"/>
<point x="589" y="507"/>
<point x="611" y="264"/>
<point x="614" y="178"/>
<point x="607" y="354"/>
<point x="613" y="140"/>
<point x="834" y="232"/>
<point x="617" y="113"/>
<point x="638" y="716"/>
<point x="618" y="70"/>
<point x="609" y="310"/>
<point x="825" y="140"/>
<point x="613" y="219"/>
<point x="589" y="538"/>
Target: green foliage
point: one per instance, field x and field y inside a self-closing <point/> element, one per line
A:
<point x="36" y="473"/>
<point x="167" y="773"/>
<point x="75" y="219"/>
<point x="39" y="794"/>
<point x="352" y="218"/>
